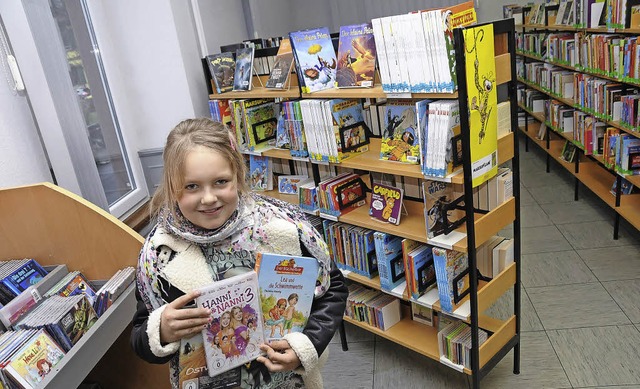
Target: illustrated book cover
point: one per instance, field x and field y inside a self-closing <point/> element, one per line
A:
<point x="356" y="56"/>
<point x="286" y="289"/>
<point x="349" y="127"/>
<point x="33" y="361"/>
<point x="439" y="215"/>
<point x="390" y="264"/>
<point x="260" y="173"/>
<point x="288" y="184"/>
<point x="281" y="71"/>
<point x="451" y="276"/>
<point x="400" y="140"/>
<point x="234" y="335"/>
<point x="625" y="188"/>
<point x="260" y="123"/>
<point x="386" y="203"/>
<point x="315" y="58"/>
<point x="222" y="68"/>
<point x="25" y="276"/>
<point x="244" y="69"/>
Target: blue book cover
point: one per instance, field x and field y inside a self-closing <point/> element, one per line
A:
<point x="390" y="263"/>
<point x="422" y="115"/>
<point x="26" y="275"/>
<point x="424" y="273"/>
<point x="316" y="59"/>
<point x="286" y="288"/>
<point x="448" y="265"/>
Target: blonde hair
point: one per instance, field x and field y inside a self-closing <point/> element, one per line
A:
<point x="184" y="137"/>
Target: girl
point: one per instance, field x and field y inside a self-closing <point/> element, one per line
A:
<point x="225" y="338"/>
<point x="276" y="318"/>
<point x="208" y="228"/>
<point x="241" y="332"/>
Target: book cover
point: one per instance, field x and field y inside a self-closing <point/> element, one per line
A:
<point x="438" y="216"/>
<point x="286" y="289"/>
<point x="483" y="101"/>
<point x="449" y="265"/>
<point x="316" y="59"/>
<point x="356" y="56"/>
<point x="400" y="141"/>
<point x="350" y="130"/>
<point x="222" y="68"/>
<point x="260" y="123"/>
<point x="625" y="188"/>
<point x="33" y="361"/>
<point x="234" y="335"/>
<point x="386" y="203"/>
<point x="193" y="368"/>
<point x="390" y="264"/>
<point x="289" y="184"/>
<point x="77" y="320"/>
<point x="260" y="173"/>
<point x="25" y="276"/>
<point x="422" y="314"/>
<point x="281" y="70"/>
<point x="244" y="69"/>
<point x="424" y="274"/>
<point x="77" y="285"/>
<point x="568" y="152"/>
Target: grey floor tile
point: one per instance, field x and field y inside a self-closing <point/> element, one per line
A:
<point x="575" y="306"/>
<point x="591" y="235"/>
<point x="613" y="263"/>
<point x="541" y="178"/>
<point x="552" y="194"/>
<point x="399" y="367"/>
<point x="354" y="334"/>
<point x="350" y="369"/>
<point x="503" y="309"/>
<point x="626" y="293"/>
<point x="578" y="212"/>
<point x="533" y="216"/>
<point x="556" y="268"/>
<point x="599" y="356"/>
<point x="539" y="366"/>
<point x="543" y="240"/>
<point x="526" y="198"/>
<point x="609" y="387"/>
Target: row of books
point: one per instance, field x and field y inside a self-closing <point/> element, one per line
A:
<point x="415" y="50"/>
<point x="454" y="342"/>
<point x="341" y="194"/>
<point x="584" y="14"/>
<point x="352" y="247"/>
<point x="372" y="307"/>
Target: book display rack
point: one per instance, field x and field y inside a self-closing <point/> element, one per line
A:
<point x="478" y="227"/>
<point x="607" y="76"/>
<point x="60" y="230"/>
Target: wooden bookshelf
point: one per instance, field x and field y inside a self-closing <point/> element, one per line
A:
<point x="258" y="91"/>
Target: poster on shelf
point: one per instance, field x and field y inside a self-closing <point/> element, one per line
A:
<point x="483" y="102"/>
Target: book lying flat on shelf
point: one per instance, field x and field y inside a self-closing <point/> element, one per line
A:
<point x="286" y="288"/>
<point x="281" y="71"/>
<point x="224" y="348"/>
<point x="356" y="56"/>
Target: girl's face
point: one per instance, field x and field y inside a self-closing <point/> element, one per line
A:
<point x="210" y="193"/>
<point x="237" y="314"/>
<point x="225" y="319"/>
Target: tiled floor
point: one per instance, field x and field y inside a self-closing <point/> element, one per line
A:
<point x="580" y="303"/>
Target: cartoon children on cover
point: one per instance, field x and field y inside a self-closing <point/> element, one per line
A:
<point x="289" y="311"/>
<point x="276" y="318"/>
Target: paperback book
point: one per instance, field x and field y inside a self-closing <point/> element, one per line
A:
<point x="244" y="69"/>
<point x="356" y="56"/>
<point x="222" y="68"/>
<point x="440" y="215"/>
<point x="234" y="335"/>
<point x="386" y="203"/>
<point x="452" y="276"/>
<point x="315" y="59"/>
<point x="286" y="290"/>
<point x="390" y="264"/>
<point x="281" y="71"/>
<point x="400" y="141"/>
<point x="260" y="173"/>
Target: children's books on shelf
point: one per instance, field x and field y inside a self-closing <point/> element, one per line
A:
<point x="308" y="197"/>
<point x="222" y="67"/>
<point x="244" y="69"/>
<point x="356" y="56"/>
<point x="228" y="300"/>
<point x="454" y="342"/>
<point x="400" y="139"/>
<point x="315" y="59"/>
<point x="260" y="123"/>
<point x="452" y="284"/>
<point x="390" y="263"/>
<point x="286" y="290"/>
<point x="422" y="314"/>
<point x="260" y="173"/>
<point x="289" y="184"/>
<point x="372" y="307"/>
<point x="568" y="152"/>
<point x="72" y="284"/>
<point x="625" y="188"/>
<point x="386" y="203"/>
<point x="440" y="211"/>
<point x="281" y="70"/>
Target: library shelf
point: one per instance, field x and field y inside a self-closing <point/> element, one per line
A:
<point x="375" y="92"/>
<point x="258" y="91"/>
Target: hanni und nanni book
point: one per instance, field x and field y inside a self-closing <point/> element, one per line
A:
<point x="356" y="56"/>
<point x="386" y="203"/>
<point x="287" y="284"/>
<point x="235" y="333"/>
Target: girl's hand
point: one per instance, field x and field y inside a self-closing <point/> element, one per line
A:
<point x="280" y="356"/>
<point x="177" y="322"/>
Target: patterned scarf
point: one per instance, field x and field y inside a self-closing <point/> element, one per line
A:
<point x="241" y="232"/>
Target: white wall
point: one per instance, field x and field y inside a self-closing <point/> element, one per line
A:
<point x="492" y="10"/>
<point x="223" y="23"/>
<point x="22" y="159"/>
<point x="148" y="76"/>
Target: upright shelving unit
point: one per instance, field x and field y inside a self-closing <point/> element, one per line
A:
<point x="57" y="227"/>
<point x="479" y="227"/>
<point x="586" y="169"/>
